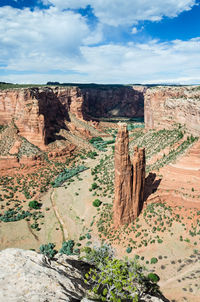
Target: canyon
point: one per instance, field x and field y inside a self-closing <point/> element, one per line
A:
<point x="153" y="212"/>
<point x="39" y="113"/>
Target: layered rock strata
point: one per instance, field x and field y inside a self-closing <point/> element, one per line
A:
<point x="138" y="164"/>
<point x="40" y="113"/>
<point x="164" y="106"/>
<point x="129" y="179"/>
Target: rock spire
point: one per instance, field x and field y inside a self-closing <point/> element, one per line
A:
<point x="129" y="179"/>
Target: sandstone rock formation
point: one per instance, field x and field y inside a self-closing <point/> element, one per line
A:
<point x="40" y="113"/>
<point x="129" y="179"/>
<point x="24" y="276"/>
<point x="138" y="180"/>
<point x="21" y="107"/>
<point x="164" y="106"/>
<point x="123" y="207"/>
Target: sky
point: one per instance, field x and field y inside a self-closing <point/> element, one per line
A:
<point x="100" y="41"/>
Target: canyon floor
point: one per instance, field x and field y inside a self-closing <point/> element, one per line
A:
<point x="165" y="237"/>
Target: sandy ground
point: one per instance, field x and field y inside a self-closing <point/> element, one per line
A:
<point x="74" y="202"/>
<point x="71" y="213"/>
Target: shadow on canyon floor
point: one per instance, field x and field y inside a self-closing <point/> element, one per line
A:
<point x="151" y="185"/>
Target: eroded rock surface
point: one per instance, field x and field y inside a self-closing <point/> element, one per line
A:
<point x="123" y="208"/>
<point x="138" y="180"/>
<point x="164" y="106"/>
<point x="26" y="276"/>
<point x="129" y="179"/>
<point x="40" y="113"/>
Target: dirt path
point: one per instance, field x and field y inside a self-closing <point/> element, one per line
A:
<point x="58" y="216"/>
<point x="73" y="203"/>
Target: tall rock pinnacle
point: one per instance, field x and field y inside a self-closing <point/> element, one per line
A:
<point x="129" y="179"/>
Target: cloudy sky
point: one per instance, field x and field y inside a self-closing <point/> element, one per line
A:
<point x="100" y="41"/>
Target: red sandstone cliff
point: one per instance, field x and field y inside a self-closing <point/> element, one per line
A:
<point x="39" y="113"/>
<point x="123" y="209"/>
<point x="164" y="106"/>
<point x="129" y="179"/>
<point x="21" y="107"/>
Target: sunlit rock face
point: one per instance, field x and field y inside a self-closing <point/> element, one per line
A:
<point x="164" y="106"/>
<point x="129" y="179"/>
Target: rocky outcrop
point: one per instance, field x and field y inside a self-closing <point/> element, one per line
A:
<point x="26" y="276"/>
<point x="129" y="179"/>
<point x="164" y="106"/>
<point x="21" y="107"/>
<point x="40" y="113"/>
<point x="138" y="180"/>
<point x="123" y="207"/>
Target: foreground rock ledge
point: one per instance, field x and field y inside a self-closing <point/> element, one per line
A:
<point x="26" y="277"/>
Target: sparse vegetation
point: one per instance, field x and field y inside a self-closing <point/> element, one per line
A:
<point x="48" y="250"/>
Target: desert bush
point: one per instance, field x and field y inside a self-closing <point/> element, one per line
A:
<point x="120" y="280"/>
<point x="154" y="260"/>
<point x="66" y="174"/>
<point x="98" y="255"/>
<point x="153" y="277"/>
<point x="67" y="247"/>
<point x="96" y="203"/>
<point x="34" y="204"/>
<point x="129" y="249"/>
<point x="48" y="250"/>
<point x="94" y="186"/>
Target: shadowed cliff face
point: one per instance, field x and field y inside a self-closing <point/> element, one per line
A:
<point x="116" y="102"/>
<point x="40" y="113"/>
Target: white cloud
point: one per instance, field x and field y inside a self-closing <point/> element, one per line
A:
<point x="117" y="12"/>
<point x="39" y="39"/>
<point x="152" y="62"/>
<point x="35" y="43"/>
<point x="134" y="30"/>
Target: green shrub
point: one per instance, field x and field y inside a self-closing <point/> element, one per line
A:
<point x="34" y="204"/>
<point x="129" y="249"/>
<point x="67" y="247"/>
<point x="154" y="260"/>
<point x="98" y="255"/>
<point x="119" y="280"/>
<point x="96" y="203"/>
<point x="92" y="154"/>
<point x="88" y="236"/>
<point x="48" y="250"/>
<point x="153" y="277"/>
<point x="94" y="186"/>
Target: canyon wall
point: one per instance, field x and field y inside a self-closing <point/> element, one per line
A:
<point x="164" y="106"/>
<point x="129" y="179"/>
<point x="122" y="101"/>
<point x="39" y="113"/>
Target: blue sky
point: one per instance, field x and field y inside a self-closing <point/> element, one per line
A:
<point x="100" y="41"/>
